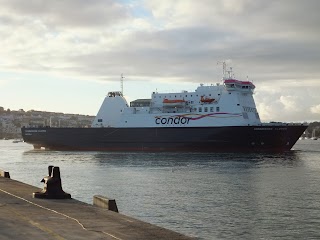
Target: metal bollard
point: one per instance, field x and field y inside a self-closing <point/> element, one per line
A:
<point x="52" y="186"/>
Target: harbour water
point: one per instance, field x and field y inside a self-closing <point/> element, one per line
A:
<point x="205" y="195"/>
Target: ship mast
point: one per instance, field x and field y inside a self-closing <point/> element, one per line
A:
<point x="224" y="69"/>
<point x="121" y="83"/>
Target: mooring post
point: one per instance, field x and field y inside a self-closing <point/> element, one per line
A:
<point x="4" y="174"/>
<point x="52" y="186"/>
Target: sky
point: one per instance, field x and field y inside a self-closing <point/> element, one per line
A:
<point x="65" y="56"/>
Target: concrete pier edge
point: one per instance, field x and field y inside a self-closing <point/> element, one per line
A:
<point x="104" y="202"/>
<point x="25" y="217"/>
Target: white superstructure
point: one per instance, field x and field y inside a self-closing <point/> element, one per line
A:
<point x="228" y="104"/>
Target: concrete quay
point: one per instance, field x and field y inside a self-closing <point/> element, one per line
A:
<point x="25" y="217"/>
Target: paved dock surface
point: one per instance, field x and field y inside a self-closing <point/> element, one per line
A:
<point x="25" y="217"/>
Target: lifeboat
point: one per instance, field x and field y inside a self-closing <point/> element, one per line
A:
<point x="173" y="102"/>
<point x="206" y="99"/>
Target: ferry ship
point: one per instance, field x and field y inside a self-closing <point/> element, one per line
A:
<point x="218" y="117"/>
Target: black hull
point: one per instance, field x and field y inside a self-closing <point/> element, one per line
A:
<point x="203" y="139"/>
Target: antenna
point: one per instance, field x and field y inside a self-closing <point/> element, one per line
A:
<point x="224" y="68"/>
<point x="121" y="82"/>
<point x="230" y="72"/>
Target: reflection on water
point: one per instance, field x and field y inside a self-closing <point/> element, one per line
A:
<point x="198" y="159"/>
<point x="210" y="196"/>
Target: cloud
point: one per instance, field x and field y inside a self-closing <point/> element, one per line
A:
<point x="61" y="14"/>
<point x="315" y="109"/>
<point x="83" y="38"/>
<point x="286" y="102"/>
<point x="275" y="43"/>
<point x="290" y="103"/>
<point x="255" y="18"/>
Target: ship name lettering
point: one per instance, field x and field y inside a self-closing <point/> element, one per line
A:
<point x="281" y="128"/>
<point x="35" y="130"/>
<point x="267" y="129"/>
<point x="171" y="120"/>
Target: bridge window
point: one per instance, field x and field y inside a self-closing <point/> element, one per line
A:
<point x="200" y="109"/>
<point x="217" y="109"/>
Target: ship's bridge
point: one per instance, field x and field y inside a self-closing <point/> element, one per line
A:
<point x="114" y="94"/>
<point x="237" y="85"/>
<point x="140" y="103"/>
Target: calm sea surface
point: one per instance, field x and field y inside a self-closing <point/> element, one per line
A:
<point x="209" y="196"/>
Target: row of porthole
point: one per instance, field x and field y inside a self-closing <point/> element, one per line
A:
<point x="180" y="96"/>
